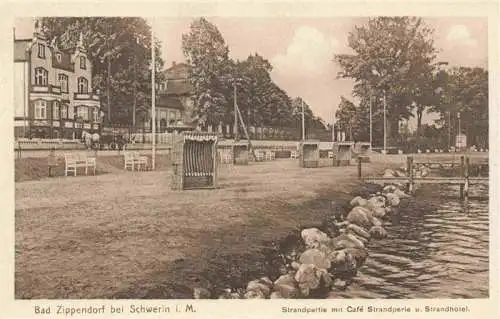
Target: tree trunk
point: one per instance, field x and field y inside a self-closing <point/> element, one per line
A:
<point x="419" y="123"/>
<point x="135" y="100"/>
<point x="108" y="89"/>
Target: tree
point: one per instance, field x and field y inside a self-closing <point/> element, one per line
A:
<point x="465" y="92"/>
<point x="392" y="57"/>
<point x="119" y="51"/>
<point x="206" y="51"/>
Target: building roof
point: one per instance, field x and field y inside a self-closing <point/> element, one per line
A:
<point x="21" y="49"/>
<point x="65" y="63"/>
<point x="172" y="102"/>
<point x="178" y="87"/>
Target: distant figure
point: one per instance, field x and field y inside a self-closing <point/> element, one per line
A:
<point x="95" y="140"/>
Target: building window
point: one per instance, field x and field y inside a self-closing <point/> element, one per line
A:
<point x="41" y="51"/>
<point x="83" y="63"/>
<point x="83" y="113"/>
<point x="95" y="114"/>
<point x="58" y="57"/>
<point x="64" y="112"/>
<point x="41" y="77"/>
<point x="83" y="85"/>
<point x="63" y="82"/>
<point x="40" y="110"/>
<point x="55" y="110"/>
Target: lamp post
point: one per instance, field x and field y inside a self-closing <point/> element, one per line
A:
<point x="371" y="124"/>
<point x="153" y="97"/>
<point x="385" y="124"/>
<point x="377" y="74"/>
<point x="303" y="121"/>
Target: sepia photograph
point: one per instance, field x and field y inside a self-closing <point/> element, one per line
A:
<point x="273" y="157"/>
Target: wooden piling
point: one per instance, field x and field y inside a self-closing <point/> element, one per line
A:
<point x="359" y="167"/>
<point x="409" y="172"/>
<point x="466" y="173"/>
<point x="462" y="174"/>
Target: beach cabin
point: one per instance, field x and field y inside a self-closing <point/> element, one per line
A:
<point x="240" y="152"/>
<point x="343" y="152"/>
<point x="194" y="161"/>
<point x="309" y="153"/>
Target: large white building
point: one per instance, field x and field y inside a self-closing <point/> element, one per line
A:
<point x="53" y="95"/>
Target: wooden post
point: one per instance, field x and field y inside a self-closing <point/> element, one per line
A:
<point x="462" y="174"/>
<point x="410" y="174"/>
<point x="359" y="167"/>
<point x="466" y="185"/>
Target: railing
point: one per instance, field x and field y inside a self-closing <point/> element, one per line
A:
<point x="46" y="89"/>
<point x="85" y="96"/>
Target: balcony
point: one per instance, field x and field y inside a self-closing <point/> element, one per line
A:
<point x="86" y="96"/>
<point x="46" y="89"/>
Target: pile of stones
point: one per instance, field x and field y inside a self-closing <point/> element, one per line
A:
<point x="327" y="261"/>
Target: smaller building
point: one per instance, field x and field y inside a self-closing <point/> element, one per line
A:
<point x="53" y="95"/>
<point x="174" y="101"/>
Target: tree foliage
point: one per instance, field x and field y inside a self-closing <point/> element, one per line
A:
<point x="121" y="45"/>
<point x="393" y="56"/>
<point x="214" y="75"/>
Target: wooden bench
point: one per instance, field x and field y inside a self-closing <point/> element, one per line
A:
<point x="133" y="159"/>
<point x="74" y="161"/>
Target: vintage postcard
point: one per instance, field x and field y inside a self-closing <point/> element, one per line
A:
<point x="325" y="159"/>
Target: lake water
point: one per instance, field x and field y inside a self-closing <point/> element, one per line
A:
<point x="430" y="253"/>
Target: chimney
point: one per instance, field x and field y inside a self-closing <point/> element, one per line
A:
<point x="173" y="63"/>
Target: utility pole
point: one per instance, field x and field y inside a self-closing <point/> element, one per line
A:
<point x="449" y="130"/>
<point x="153" y="97"/>
<point x="303" y="121"/>
<point x="135" y="98"/>
<point x="235" y="114"/>
<point x="333" y="127"/>
<point x="371" y="124"/>
<point x="385" y="124"/>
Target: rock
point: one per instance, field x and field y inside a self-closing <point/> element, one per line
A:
<point x="359" y="231"/>
<point x="360" y="216"/>
<point x="315" y="257"/>
<point x="330" y="227"/>
<point x="254" y="294"/>
<point x="345" y="243"/>
<point x="376" y="201"/>
<point x="345" y="264"/>
<point x="376" y="222"/>
<point x="313" y="237"/>
<point x="287" y="287"/>
<point x="339" y="284"/>
<point x="236" y="295"/>
<point x="379" y="212"/>
<point x="389" y="189"/>
<point x="295" y="265"/>
<point x="358" y="243"/>
<point x="378" y="232"/>
<point x="263" y="285"/>
<point x="333" y="295"/>
<point x="358" y="201"/>
<point x="392" y="199"/>
<point x="399" y="193"/>
<point x="399" y="186"/>
<point x="399" y="173"/>
<point x="227" y="294"/>
<point x="360" y="238"/>
<point x="307" y="278"/>
<point x="389" y="173"/>
<point x="425" y="171"/>
<point x="276" y="295"/>
<point x="359" y="255"/>
<point x="201" y="293"/>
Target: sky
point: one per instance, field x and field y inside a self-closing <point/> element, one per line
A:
<point x="301" y="50"/>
